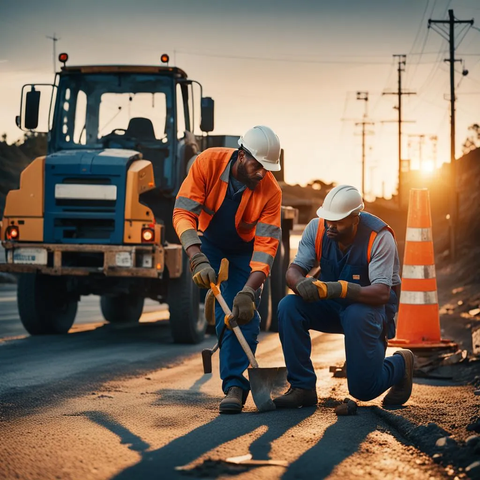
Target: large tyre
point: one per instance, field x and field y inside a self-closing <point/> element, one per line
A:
<point x="188" y="324"/>
<point x="121" y="308"/>
<point x="45" y="305"/>
<point x="265" y="307"/>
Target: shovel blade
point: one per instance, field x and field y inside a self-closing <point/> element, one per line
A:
<point x="265" y="382"/>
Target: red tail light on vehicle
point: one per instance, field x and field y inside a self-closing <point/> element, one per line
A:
<point x="12" y="233"/>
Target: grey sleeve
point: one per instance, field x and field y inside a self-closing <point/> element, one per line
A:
<point x="306" y="255"/>
<point x="384" y="266"/>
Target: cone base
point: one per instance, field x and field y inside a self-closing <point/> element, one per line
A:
<point x="424" y="346"/>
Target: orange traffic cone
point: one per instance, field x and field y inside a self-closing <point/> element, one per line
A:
<point x="418" y="321"/>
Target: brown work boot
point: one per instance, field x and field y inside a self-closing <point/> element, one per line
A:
<point x="233" y="401"/>
<point x="401" y="392"/>
<point x="297" y="398"/>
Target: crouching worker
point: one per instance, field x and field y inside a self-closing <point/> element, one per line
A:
<point x="354" y="295"/>
<point x="233" y="199"/>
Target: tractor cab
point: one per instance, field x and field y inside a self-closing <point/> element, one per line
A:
<point x="148" y="109"/>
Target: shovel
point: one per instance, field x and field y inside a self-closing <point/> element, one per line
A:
<point x="263" y="381"/>
<point x="210" y="315"/>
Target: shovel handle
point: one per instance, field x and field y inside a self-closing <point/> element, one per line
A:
<point x="233" y="323"/>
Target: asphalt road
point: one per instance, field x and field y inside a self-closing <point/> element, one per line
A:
<point x="105" y="402"/>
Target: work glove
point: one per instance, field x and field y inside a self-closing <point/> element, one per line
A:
<point x="311" y="289"/>
<point x="202" y="272"/>
<point x="307" y="290"/>
<point x="243" y="306"/>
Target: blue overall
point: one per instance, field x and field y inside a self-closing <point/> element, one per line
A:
<point x="369" y="373"/>
<point x="221" y="240"/>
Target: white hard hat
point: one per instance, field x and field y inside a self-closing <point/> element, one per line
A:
<point x="262" y="143"/>
<point x="340" y="202"/>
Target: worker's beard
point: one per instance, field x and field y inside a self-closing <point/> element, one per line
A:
<point x="243" y="177"/>
<point x="346" y="236"/>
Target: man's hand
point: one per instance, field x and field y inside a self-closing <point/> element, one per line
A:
<point x="307" y="289"/>
<point x="202" y="272"/>
<point x="244" y="305"/>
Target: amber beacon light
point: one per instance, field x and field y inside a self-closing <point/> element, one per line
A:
<point x="165" y="58"/>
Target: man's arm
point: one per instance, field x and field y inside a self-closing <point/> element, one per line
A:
<point x="188" y="206"/>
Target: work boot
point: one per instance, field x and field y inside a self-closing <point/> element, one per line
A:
<point x="401" y="392"/>
<point x="297" y="398"/>
<point x="233" y="401"/>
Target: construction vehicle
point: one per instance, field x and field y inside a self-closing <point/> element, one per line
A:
<point x="93" y="216"/>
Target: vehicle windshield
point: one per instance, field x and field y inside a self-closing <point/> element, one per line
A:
<point x="118" y="110"/>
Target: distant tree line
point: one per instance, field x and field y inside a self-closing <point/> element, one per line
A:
<point x="473" y="141"/>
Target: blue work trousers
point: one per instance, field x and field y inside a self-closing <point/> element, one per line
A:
<point x="233" y="360"/>
<point x="369" y="373"/>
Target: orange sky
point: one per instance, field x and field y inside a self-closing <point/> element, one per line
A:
<point x="293" y="65"/>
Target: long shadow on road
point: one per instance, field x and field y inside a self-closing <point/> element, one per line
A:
<point x="182" y="451"/>
<point x="339" y="441"/>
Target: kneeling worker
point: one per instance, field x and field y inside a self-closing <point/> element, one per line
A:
<point x="232" y="197"/>
<point x="355" y="295"/>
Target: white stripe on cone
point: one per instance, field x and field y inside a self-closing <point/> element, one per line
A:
<point x="418" y="298"/>
<point x="418" y="271"/>
<point x="419" y="234"/>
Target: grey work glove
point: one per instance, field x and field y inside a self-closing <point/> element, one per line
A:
<point x="308" y="290"/>
<point x="244" y="305"/>
<point x="202" y="272"/>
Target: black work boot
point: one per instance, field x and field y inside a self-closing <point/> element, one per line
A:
<point x="297" y="398"/>
<point x="233" y="401"/>
<point x="401" y="392"/>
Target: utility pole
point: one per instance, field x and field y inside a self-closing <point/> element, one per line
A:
<point x="434" y="139"/>
<point x="54" y="40"/>
<point x="402" y="60"/>
<point x="372" y="168"/>
<point x="421" y="141"/>
<point x="364" y="96"/>
<point x="453" y="174"/>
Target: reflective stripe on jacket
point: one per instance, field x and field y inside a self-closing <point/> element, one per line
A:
<point x="258" y="215"/>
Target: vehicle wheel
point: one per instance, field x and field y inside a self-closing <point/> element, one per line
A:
<point x="123" y="308"/>
<point x="265" y="307"/>
<point x="44" y="304"/>
<point x="188" y="324"/>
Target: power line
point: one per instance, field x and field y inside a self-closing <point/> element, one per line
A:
<point x="287" y="60"/>
<point x="420" y="27"/>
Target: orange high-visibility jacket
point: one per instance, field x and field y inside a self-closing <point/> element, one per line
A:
<point x="258" y="215"/>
